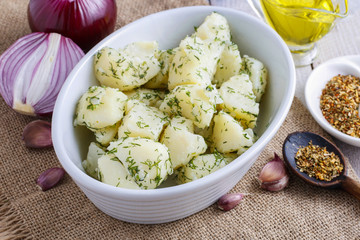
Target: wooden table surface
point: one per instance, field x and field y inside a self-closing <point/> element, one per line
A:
<point x="343" y="40"/>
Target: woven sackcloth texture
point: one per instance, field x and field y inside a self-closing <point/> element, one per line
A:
<point x="300" y="211"/>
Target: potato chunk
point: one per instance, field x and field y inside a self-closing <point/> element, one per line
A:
<point x="229" y="64"/>
<point x="100" y="107"/>
<point x="215" y="32"/>
<point x="147" y="161"/>
<point x="127" y="68"/>
<point x="196" y="60"/>
<point x="258" y="75"/>
<point x="206" y="133"/>
<point x="190" y="64"/>
<point x="148" y="96"/>
<point x="201" y="166"/>
<point x="182" y="123"/>
<point x="160" y="81"/>
<point x="143" y="121"/>
<point x="182" y="144"/>
<point x="105" y="135"/>
<point x="191" y="101"/>
<point x="229" y="135"/>
<point x="90" y="164"/>
<point x="113" y="172"/>
<point x="239" y="100"/>
<point x="215" y="28"/>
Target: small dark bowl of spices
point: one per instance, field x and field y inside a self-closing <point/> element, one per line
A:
<point x="332" y="95"/>
<point x="317" y="161"/>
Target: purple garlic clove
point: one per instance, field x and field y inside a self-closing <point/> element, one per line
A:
<point x="37" y="134"/>
<point x="50" y="178"/>
<point x="274" y="177"/>
<point x="229" y="201"/>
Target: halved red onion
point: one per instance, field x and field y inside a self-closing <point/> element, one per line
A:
<point x="33" y="70"/>
<point x="86" y="22"/>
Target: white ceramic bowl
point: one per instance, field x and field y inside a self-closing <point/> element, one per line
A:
<point x="316" y="83"/>
<point x="175" y="202"/>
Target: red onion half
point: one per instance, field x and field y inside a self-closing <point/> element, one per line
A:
<point x="33" y="70"/>
<point x="86" y="22"/>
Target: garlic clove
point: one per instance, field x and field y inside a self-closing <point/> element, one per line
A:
<point x="37" y="134"/>
<point x="50" y="178"/>
<point x="229" y="201"/>
<point x="274" y="177"/>
<point x="276" y="185"/>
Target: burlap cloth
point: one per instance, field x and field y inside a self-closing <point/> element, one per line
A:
<point x="300" y="211"/>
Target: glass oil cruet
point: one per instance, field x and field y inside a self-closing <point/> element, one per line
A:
<point x="301" y="23"/>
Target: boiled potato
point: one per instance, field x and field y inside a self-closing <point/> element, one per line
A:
<point x="143" y="121"/>
<point x="258" y="75"/>
<point x="229" y="65"/>
<point x="201" y="166"/>
<point x="160" y="81"/>
<point x="190" y="64"/>
<point x="206" y="133"/>
<point x="147" y="161"/>
<point x="105" y="135"/>
<point x="229" y="135"/>
<point x="239" y="100"/>
<point x="190" y="101"/>
<point x="90" y="164"/>
<point x="113" y="172"/>
<point x="214" y="28"/>
<point x="100" y="107"/>
<point x="182" y="144"/>
<point x="130" y="103"/>
<point x="190" y="109"/>
<point x="182" y="123"/>
<point x="148" y="96"/>
<point x="127" y="68"/>
<point x="213" y="94"/>
<point x="215" y="32"/>
<point x="245" y="148"/>
<point x="229" y="156"/>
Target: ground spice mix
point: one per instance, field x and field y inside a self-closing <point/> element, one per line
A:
<point x="317" y="162"/>
<point x="339" y="103"/>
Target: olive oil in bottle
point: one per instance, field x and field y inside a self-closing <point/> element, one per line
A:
<point x="300" y="22"/>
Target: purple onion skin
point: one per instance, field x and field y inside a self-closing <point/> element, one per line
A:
<point x="86" y="22"/>
<point x="28" y="55"/>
